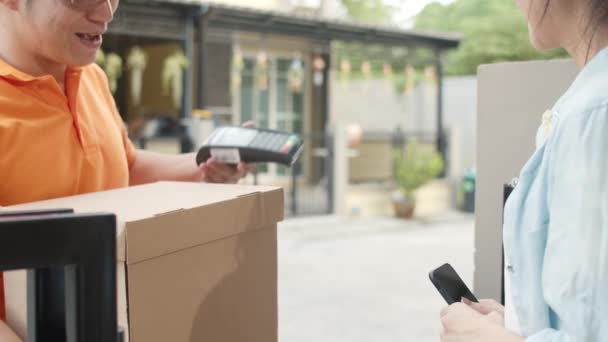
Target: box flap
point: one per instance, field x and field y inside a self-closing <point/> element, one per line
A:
<point x="249" y="209"/>
<point x="164" y="217"/>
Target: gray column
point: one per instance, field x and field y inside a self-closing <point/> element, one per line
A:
<point x="186" y="114"/>
<point x="441" y="138"/>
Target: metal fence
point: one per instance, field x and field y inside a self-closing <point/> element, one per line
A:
<point x="313" y="195"/>
<point x="308" y="183"/>
<point x="309" y="190"/>
<point x="374" y="155"/>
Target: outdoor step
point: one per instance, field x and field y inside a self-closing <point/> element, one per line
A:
<point x="375" y="199"/>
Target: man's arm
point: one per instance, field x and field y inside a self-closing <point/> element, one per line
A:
<point x="150" y="167"/>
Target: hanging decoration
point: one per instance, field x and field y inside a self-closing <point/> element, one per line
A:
<point x="113" y="70"/>
<point x="355" y="134"/>
<point x="410" y="79"/>
<point x="366" y="69"/>
<point x="366" y="72"/>
<point x="261" y="70"/>
<point x="236" y="69"/>
<point x="295" y="75"/>
<point x="387" y="71"/>
<point x="137" y="62"/>
<point x="430" y="75"/>
<point x="345" y="69"/>
<point x="318" y="66"/>
<point x="173" y="77"/>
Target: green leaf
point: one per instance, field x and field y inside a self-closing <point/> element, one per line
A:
<point x="418" y="166"/>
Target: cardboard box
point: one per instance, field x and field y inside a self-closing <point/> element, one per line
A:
<point x="196" y="262"/>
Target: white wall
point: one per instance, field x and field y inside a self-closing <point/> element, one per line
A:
<point x="460" y="116"/>
<point x="376" y="106"/>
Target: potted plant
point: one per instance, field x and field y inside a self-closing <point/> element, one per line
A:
<point x="173" y="75"/>
<point x="415" y="168"/>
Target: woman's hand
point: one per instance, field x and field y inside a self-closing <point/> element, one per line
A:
<point x="462" y="323"/>
<point x="488" y="306"/>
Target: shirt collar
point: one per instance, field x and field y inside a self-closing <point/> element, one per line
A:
<point x="10" y="72"/>
<point x="596" y="67"/>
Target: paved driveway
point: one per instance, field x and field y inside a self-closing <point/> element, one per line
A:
<point x="366" y="280"/>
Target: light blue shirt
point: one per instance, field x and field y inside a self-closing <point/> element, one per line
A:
<point x="556" y="220"/>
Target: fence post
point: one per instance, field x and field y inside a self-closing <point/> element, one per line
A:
<point x="328" y="163"/>
<point x="340" y="170"/>
<point x="294" y="189"/>
<point x="398" y="140"/>
<point x="443" y="143"/>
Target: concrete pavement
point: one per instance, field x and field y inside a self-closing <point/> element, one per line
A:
<point x="366" y="279"/>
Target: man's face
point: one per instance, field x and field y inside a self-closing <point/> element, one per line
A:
<point x="64" y="31"/>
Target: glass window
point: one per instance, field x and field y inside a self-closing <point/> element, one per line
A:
<point x="276" y="105"/>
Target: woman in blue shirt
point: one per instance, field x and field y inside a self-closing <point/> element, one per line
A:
<point x="556" y="220"/>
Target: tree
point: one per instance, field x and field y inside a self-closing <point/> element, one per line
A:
<point x="494" y="31"/>
<point x="371" y="11"/>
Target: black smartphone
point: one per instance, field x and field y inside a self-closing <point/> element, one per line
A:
<point x="450" y="285"/>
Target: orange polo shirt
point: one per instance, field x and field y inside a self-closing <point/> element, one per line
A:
<point x="54" y="143"/>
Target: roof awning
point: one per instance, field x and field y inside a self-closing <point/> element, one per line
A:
<point x="253" y="20"/>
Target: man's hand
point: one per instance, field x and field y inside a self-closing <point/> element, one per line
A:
<point x="152" y="167"/>
<point x="214" y="171"/>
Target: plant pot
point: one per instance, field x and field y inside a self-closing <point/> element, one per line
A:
<point x="404" y="207"/>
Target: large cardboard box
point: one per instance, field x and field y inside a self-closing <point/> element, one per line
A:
<point x="196" y="262"/>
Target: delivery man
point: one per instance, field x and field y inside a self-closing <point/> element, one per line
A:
<point x="60" y="132"/>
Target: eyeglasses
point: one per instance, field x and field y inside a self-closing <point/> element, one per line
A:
<point x="85" y="5"/>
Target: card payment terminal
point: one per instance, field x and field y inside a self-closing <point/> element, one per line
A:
<point x="232" y="145"/>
